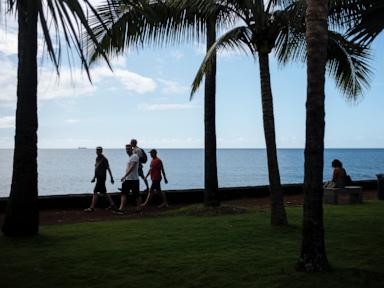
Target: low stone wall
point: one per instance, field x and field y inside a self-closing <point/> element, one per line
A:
<point x="177" y="196"/>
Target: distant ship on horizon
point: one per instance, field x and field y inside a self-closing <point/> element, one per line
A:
<point x="82" y="148"/>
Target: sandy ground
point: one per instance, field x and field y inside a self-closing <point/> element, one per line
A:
<point x="65" y="216"/>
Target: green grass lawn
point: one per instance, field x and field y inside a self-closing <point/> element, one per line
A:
<point x="189" y="251"/>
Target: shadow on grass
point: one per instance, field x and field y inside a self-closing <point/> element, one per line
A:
<point x="336" y="277"/>
<point x="202" y="211"/>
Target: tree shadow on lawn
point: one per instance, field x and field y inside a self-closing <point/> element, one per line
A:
<point x="337" y="277"/>
<point x="202" y="211"/>
<point x="42" y="239"/>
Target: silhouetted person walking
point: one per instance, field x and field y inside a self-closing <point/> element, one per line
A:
<point x="130" y="181"/>
<point x="156" y="169"/>
<point x="101" y="168"/>
<point x="142" y="160"/>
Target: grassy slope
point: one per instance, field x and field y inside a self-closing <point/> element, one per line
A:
<point x="184" y="251"/>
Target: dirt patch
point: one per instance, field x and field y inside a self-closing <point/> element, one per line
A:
<point x="67" y="216"/>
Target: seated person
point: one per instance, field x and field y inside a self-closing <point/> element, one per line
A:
<point x="338" y="177"/>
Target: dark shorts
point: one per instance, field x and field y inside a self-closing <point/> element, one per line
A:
<point x="155" y="187"/>
<point x="131" y="186"/>
<point x="141" y="172"/>
<point x="100" y="185"/>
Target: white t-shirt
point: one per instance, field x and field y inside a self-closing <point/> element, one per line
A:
<point x="133" y="160"/>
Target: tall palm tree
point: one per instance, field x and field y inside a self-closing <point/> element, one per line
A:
<point x="136" y="23"/>
<point x="22" y="216"/>
<point x="211" y="195"/>
<point x="313" y="255"/>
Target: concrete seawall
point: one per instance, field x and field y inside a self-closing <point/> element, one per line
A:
<point x="177" y="196"/>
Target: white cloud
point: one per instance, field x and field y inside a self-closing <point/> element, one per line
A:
<point x="172" y="87"/>
<point x="9" y="38"/>
<point x="72" y="120"/>
<point x="71" y="83"/>
<point x="130" y="80"/>
<point x="68" y="85"/>
<point x="164" y="107"/>
<point x="135" y="82"/>
<point x="8" y="41"/>
<point x="118" y="61"/>
<point x="177" y="54"/>
<point x="7" y="122"/>
<point x="8" y="75"/>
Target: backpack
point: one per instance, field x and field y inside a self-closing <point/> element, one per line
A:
<point x="143" y="159"/>
<point x="348" y="180"/>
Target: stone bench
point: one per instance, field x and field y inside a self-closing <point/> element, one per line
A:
<point x="354" y="195"/>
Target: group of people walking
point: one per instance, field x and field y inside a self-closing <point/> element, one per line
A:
<point x="130" y="180"/>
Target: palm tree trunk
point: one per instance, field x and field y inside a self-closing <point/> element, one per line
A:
<point x="22" y="216"/>
<point x="313" y="256"/>
<point x="278" y="214"/>
<point x="210" y="159"/>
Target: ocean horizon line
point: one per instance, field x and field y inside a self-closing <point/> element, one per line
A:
<point x="202" y="148"/>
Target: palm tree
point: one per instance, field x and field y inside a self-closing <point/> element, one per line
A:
<point x="134" y="24"/>
<point x="313" y="256"/>
<point x="22" y="216"/>
<point x="211" y="195"/>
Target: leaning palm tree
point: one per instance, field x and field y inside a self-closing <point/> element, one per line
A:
<point x="22" y="216"/>
<point x="128" y="24"/>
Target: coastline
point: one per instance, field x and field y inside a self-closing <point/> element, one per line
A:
<point x="187" y="196"/>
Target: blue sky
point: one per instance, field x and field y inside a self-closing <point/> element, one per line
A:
<point x="147" y="97"/>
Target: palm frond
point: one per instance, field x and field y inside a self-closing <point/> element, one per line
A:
<point x="153" y="23"/>
<point x="348" y="65"/>
<point x="347" y="60"/>
<point x="156" y="23"/>
<point x="238" y="38"/>
<point x="342" y="13"/>
<point x="370" y="23"/>
<point x="68" y="18"/>
<point x="291" y="43"/>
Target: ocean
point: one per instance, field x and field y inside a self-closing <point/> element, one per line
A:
<point x="69" y="171"/>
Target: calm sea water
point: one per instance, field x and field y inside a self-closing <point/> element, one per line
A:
<point x="69" y="171"/>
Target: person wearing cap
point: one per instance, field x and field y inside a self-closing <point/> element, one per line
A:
<point x="137" y="150"/>
<point x="101" y="168"/>
<point x="156" y="169"/>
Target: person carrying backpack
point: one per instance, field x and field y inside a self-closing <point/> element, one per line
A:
<point x="142" y="160"/>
